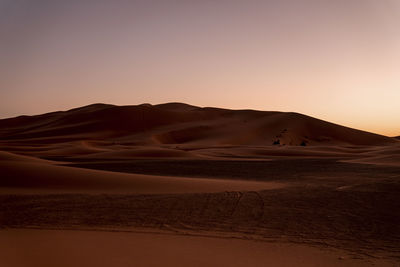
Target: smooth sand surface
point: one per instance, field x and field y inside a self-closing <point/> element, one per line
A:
<point x="388" y="155"/>
<point x="66" y="248"/>
<point x="22" y="174"/>
<point x="388" y="160"/>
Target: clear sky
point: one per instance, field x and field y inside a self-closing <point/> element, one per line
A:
<point x="336" y="60"/>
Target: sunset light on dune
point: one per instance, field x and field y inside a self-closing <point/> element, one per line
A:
<point x="336" y="60"/>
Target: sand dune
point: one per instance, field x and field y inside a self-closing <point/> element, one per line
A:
<point x="176" y="130"/>
<point x="176" y="123"/>
<point x="25" y="174"/>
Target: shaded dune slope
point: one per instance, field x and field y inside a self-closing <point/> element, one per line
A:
<point x="177" y="123"/>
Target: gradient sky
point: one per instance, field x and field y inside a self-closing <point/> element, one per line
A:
<point x="336" y="60"/>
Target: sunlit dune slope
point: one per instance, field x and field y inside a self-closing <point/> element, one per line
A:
<point x="177" y="123"/>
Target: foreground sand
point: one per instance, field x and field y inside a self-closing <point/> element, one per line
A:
<point x="48" y="248"/>
<point x="321" y="204"/>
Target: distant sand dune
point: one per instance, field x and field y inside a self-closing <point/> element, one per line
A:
<point x="177" y="123"/>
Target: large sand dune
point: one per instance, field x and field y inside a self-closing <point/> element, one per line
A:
<point x="176" y="123"/>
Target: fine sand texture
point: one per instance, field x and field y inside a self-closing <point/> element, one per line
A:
<point x="122" y="249"/>
<point x="179" y="185"/>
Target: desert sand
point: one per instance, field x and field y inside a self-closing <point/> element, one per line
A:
<point x="178" y="185"/>
<point x="31" y="175"/>
<point x="124" y="249"/>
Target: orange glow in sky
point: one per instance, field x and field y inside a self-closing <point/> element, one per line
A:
<point x="334" y="60"/>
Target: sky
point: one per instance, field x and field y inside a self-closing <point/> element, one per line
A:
<point x="334" y="60"/>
